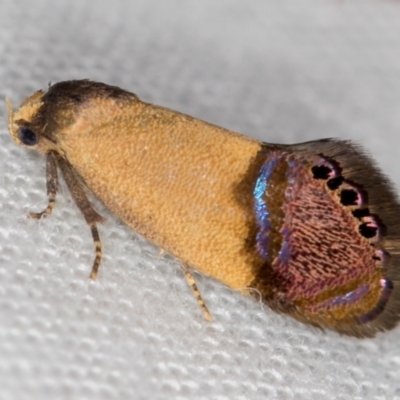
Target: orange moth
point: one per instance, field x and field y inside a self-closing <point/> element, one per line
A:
<point x="312" y="228"/>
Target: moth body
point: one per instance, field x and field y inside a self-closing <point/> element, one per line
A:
<point x="312" y="228"/>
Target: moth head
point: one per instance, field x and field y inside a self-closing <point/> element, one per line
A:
<point x="22" y="123"/>
<point x="52" y="120"/>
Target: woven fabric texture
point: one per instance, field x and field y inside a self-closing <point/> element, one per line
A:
<point x="281" y="71"/>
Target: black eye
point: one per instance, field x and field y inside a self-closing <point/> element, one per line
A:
<point x="27" y="136"/>
<point x="321" y="171"/>
<point x="368" y="231"/>
<point x="348" y="197"/>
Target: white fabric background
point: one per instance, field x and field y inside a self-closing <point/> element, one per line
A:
<point x="282" y="71"/>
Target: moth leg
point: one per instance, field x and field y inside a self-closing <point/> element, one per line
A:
<point x="83" y="203"/>
<point x="98" y="251"/>
<point x="196" y="293"/>
<point x="161" y="253"/>
<point x="51" y="184"/>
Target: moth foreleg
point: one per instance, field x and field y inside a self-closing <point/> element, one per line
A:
<point x="51" y="184"/>
<point x="83" y="203"/>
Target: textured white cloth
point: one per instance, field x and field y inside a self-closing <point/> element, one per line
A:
<point x="282" y="71"/>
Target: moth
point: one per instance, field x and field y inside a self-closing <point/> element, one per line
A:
<point x="311" y="228"/>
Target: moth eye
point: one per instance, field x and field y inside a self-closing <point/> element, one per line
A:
<point x="27" y="136"/>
